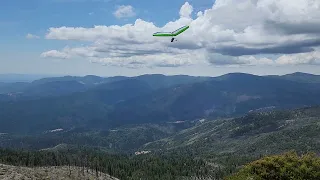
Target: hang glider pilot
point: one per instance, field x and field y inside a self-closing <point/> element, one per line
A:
<point x="172" y="34"/>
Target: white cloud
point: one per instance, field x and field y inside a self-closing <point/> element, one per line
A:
<point x="31" y="36"/>
<point x="186" y="10"/>
<point x="302" y="58"/>
<point x="124" y="11"/>
<point x="232" y="32"/>
<point x="55" y="54"/>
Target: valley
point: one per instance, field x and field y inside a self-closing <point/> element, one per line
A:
<point x="157" y="122"/>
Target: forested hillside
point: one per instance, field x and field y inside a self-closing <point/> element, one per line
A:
<point x="253" y="134"/>
<point x="189" y="127"/>
<point x="123" y="167"/>
<point x="124" y="139"/>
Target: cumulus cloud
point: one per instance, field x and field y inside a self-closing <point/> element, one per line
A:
<point x="124" y="11"/>
<point x="231" y="32"/>
<point x="186" y="10"/>
<point x="31" y="36"/>
<point x="55" y="54"/>
<point x="302" y="58"/>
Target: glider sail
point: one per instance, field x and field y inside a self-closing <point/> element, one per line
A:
<point x="174" y="33"/>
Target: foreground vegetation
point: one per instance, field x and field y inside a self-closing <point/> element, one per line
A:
<point x="124" y="167"/>
<point x="210" y="149"/>
<point x="286" y="166"/>
<point x="100" y="165"/>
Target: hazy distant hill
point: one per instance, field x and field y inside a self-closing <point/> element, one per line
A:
<point x="136" y="100"/>
<point x="57" y="86"/>
<point x="54" y="88"/>
<point x="228" y="95"/>
<point x="301" y="77"/>
<point x="11" y="78"/>
<point x="14" y="87"/>
<point x="88" y="80"/>
<point x="159" y="81"/>
<point x="88" y="108"/>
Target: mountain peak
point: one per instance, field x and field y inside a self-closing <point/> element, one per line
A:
<point x="236" y="75"/>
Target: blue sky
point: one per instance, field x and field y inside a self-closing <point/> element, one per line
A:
<point x="19" y="54"/>
<point x="20" y="17"/>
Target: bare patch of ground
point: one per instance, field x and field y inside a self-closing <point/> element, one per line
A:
<point x="49" y="173"/>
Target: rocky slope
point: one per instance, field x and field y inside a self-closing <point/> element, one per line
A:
<point x="55" y="173"/>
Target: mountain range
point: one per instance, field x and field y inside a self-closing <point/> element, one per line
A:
<point x="124" y="113"/>
<point x="172" y="126"/>
<point x="103" y="103"/>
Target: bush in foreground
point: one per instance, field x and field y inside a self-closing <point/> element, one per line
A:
<point x="281" y="167"/>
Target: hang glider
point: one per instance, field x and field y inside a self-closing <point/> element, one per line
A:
<point x="174" y="33"/>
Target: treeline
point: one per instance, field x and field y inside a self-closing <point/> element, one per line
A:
<point x="124" y="167"/>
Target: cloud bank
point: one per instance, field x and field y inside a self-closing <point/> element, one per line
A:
<point x="231" y="32"/>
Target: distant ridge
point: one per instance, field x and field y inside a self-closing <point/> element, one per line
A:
<point x="10" y="78"/>
<point x="300" y="77"/>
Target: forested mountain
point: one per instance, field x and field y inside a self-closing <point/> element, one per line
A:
<point x="190" y="127"/>
<point x="76" y="110"/>
<point x="252" y="135"/>
<point x="124" y="167"/>
<point x="140" y="100"/>
<point x="14" y="87"/>
<point x="229" y="95"/>
<point x="55" y="86"/>
<point x="211" y="150"/>
<point x="125" y="139"/>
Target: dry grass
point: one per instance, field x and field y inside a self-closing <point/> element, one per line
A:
<point x="49" y="173"/>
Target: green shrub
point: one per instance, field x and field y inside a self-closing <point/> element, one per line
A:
<point x="288" y="166"/>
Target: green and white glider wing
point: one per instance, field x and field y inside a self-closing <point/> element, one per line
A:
<point x="174" y="33"/>
<point x="180" y="30"/>
<point x="162" y="34"/>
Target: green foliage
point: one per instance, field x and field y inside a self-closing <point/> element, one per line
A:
<point x="285" y="167"/>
